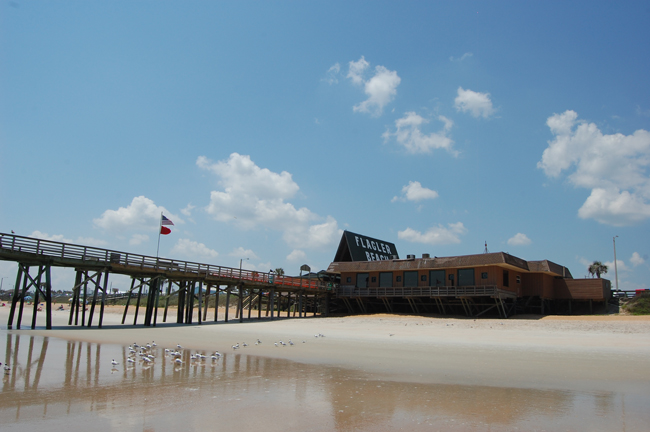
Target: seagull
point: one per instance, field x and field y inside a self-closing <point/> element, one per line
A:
<point x="153" y="343"/>
<point x="146" y="359"/>
<point x="130" y="360"/>
<point x="290" y="343"/>
<point x="276" y="344"/>
<point x="244" y="344"/>
<point x="178" y="361"/>
<point x="179" y="346"/>
<point x="6" y="367"/>
<point x="217" y="353"/>
<point x="114" y="363"/>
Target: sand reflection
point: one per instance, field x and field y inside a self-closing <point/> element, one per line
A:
<point x="67" y="383"/>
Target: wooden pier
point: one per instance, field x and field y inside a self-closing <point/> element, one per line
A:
<point x="158" y="280"/>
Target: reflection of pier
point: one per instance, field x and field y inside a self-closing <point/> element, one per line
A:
<point x="78" y="377"/>
<point x="155" y="283"/>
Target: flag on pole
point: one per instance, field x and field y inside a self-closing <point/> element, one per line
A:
<point x="166" y="221"/>
<point x="164" y="230"/>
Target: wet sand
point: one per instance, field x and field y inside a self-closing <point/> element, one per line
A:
<point x="371" y="372"/>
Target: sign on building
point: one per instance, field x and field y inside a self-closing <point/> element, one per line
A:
<point x="357" y="247"/>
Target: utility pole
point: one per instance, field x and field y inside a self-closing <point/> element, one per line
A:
<point x="615" y="265"/>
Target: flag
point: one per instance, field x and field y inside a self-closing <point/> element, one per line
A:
<point x="165" y="230"/>
<point x="166" y="221"/>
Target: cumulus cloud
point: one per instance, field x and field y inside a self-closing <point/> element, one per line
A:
<point x="296" y="255"/>
<point x="477" y="104"/>
<point x="331" y="77"/>
<point x="254" y="197"/>
<point x="613" y="166"/>
<point x="519" y="239"/>
<point x="408" y="134"/>
<point x="436" y="235"/>
<point x="636" y="259"/>
<point x="240" y="253"/>
<point x="137" y="239"/>
<point x="415" y="192"/>
<point x="381" y="88"/>
<point x="141" y="215"/>
<point x="85" y="241"/>
<point x="193" y="250"/>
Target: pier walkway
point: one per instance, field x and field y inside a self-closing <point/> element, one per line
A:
<point x="189" y="284"/>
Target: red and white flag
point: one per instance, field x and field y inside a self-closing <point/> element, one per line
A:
<point x="164" y="230"/>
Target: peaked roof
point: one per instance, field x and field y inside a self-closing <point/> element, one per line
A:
<point x="357" y="247"/>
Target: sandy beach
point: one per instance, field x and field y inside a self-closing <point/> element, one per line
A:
<point x="603" y="355"/>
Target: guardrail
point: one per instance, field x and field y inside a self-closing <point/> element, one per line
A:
<point x="437" y="291"/>
<point x="108" y="257"/>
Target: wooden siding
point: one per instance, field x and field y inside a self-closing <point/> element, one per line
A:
<point x="538" y="285"/>
<point x="582" y="289"/>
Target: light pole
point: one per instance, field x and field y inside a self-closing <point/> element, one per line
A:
<point x="241" y="293"/>
<point x="1" y="280"/>
<point x="615" y="265"/>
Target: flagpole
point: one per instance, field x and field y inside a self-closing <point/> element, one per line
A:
<point x="159" y="231"/>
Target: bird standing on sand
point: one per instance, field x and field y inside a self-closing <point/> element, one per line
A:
<point x="114" y="363"/>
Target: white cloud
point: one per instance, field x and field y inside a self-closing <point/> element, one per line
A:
<point x="461" y="58"/>
<point x="436" y="235"/>
<point x="137" y="239"/>
<point x="415" y="192"/>
<point x="613" y="166"/>
<point x="620" y="266"/>
<point x="296" y="255"/>
<point x="519" y="239"/>
<point x="84" y="241"/>
<point x="187" y="211"/>
<point x="242" y="253"/>
<point x="193" y="250"/>
<point x="636" y="259"/>
<point x="380" y="89"/>
<point x="357" y="69"/>
<point x="408" y="134"/>
<point x="141" y="215"/>
<point x="253" y="197"/>
<point x="331" y="77"/>
<point x="478" y="104"/>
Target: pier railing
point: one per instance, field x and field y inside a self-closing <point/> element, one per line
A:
<point x="14" y="247"/>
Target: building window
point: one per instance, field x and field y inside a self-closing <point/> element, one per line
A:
<point x="362" y="280"/>
<point x="423" y="278"/>
<point x="506" y="278"/>
<point x="386" y="279"/>
<point x="374" y="278"/>
<point x="466" y="277"/>
<point x="410" y="278"/>
<point x="348" y="279"/>
<point x="484" y="275"/>
<point x="518" y="279"/>
<point x="437" y="278"/>
<point x="398" y="278"/>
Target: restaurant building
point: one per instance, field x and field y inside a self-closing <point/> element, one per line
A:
<point x="374" y="279"/>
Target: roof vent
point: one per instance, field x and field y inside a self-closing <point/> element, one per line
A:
<point x="426" y="256"/>
<point x="410" y="257"/>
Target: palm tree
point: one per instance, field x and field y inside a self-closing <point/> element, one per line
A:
<point x="279" y="271"/>
<point x="597" y="268"/>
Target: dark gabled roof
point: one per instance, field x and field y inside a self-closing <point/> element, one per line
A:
<point x="549" y="267"/>
<point x="501" y="259"/>
<point x="357" y="247"/>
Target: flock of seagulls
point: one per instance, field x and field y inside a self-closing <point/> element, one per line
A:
<point x="144" y="354"/>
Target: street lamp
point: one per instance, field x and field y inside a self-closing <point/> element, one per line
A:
<point x="615" y="266"/>
<point x="240" y="263"/>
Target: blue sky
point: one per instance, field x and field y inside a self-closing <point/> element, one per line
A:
<point x="264" y="129"/>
